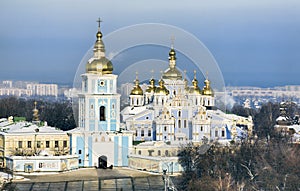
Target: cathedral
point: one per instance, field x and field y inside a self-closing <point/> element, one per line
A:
<point x="174" y="111"/>
<point x="169" y="110"/>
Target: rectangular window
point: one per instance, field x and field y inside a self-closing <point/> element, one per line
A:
<point x="184" y="123"/>
<point x="79" y="161"/>
<point x="149" y="132"/>
<point x="201" y="128"/>
<point x="216" y="133"/>
<point x="47" y="144"/>
<point x="223" y="133"/>
<point x="20" y="144"/>
<point x="79" y="152"/>
<point x="38" y="144"/>
<point x="142" y="133"/>
<point x="28" y="144"/>
<point x="56" y="144"/>
<point x="65" y="143"/>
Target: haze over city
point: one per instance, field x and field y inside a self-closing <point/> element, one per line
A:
<point x="254" y="43"/>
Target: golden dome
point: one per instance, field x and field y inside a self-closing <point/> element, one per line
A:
<point x="207" y="89"/>
<point x="99" y="64"/>
<point x="195" y="88"/>
<point x="172" y="72"/>
<point x="151" y="88"/>
<point x="161" y="89"/>
<point x="137" y="90"/>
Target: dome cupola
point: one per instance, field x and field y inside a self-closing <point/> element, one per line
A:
<point x="99" y="64"/>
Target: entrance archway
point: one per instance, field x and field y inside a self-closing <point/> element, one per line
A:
<point x="102" y="162"/>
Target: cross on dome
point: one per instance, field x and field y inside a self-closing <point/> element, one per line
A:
<point x="99" y="21"/>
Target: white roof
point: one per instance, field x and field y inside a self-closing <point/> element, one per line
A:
<point x="27" y="127"/>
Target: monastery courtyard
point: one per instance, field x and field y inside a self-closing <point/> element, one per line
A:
<point x="90" y="179"/>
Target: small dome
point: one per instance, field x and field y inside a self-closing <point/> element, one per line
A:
<point x="172" y="72"/>
<point x="207" y="89"/>
<point x="161" y="89"/>
<point x="172" y="54"/>
<point x="151" y="88"/>
<point x="195" y="88"/>
<point x="137" y="90"/>
<point x="99" y="66"/>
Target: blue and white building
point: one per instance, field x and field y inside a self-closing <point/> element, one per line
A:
<point x="98" y="141"/>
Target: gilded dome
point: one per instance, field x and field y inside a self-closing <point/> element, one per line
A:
<point x="137" y="90"/>
<point x="99" y="64"/>
<point x="195" y="88"/>
<point x="172" y="72"/>
<point x="161" y="89"/>
<point x="207" y="89"/>
<point x="151" y="88"/>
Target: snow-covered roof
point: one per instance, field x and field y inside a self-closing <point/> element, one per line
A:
<point x="27" y="127"/>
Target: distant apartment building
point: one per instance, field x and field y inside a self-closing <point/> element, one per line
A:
<point x="22" y="88"/>
<point x="284" y="91"/>
<point x="43" y="89"/>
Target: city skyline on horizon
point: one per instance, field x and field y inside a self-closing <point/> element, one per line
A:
<point x="258" y="49"/>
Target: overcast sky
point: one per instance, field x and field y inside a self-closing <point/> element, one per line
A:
<point x="255" y="42"/>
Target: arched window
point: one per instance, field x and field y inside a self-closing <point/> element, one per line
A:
<point x="166" y="153"/>
<point x="179" y="123"/>
<point x="158" y="153"/>
<point x="137" y="101"/>
<point x="179" y="113"/>
<point x="102" y="113"/>
<point x="165" y="128"/>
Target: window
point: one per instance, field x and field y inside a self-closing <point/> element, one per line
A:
<point x="79" y="152"/>
<point x="201" y="128"/>
<point x="179" y="123"/>
<point x="92" y="106"/>
<point x="142" y="133"/>
<point x="165" y="128"/>
<point x="158" y="153"/>
<point x="223" y="133"/>
<point x="28" y="144"/>
<point x="47" y="144"/>
<point x="136" y="133"/>
<point x="79" y="161"/>
<point x="20" y="144"/>
<point x="184" y="123"/>
<point x="38" y="144"/>
<point x="113" y="106"/>
<point x="179" y="113"/>
<point x="65" y="143"/>
<point x="216" y="133"/>
<point x="149" y="132"/>
<point x="56" y="144"/>
<point x="102" y="113"/>
<point x="167" y="153"/>
<point x="140" y="152"/>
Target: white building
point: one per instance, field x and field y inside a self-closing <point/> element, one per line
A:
<point x="175" y="111"/>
